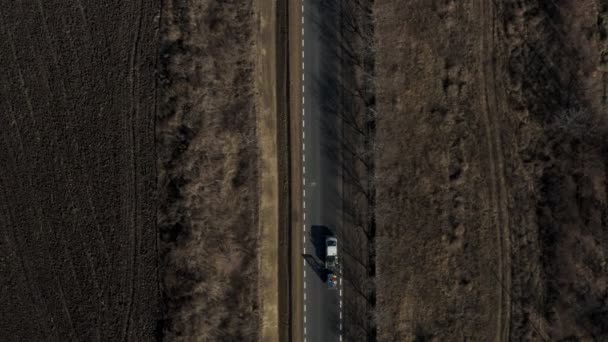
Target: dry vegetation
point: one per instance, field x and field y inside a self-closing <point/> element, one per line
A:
<point x="491" y="182"/>
<point x="357" y="110"/>
<point x="208" y="172"/>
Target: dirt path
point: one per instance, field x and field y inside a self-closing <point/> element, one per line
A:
<point x="492" y="102"/>
<point x="265" y="84"/>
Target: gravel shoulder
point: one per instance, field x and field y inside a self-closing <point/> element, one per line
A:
<point x="269" y="224"/>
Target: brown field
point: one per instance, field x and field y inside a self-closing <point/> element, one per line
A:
<point x="208" y="172"/>
<point x="491" y="180"/>
<point x="128" y="172"/>
<point x="77" y="171"/>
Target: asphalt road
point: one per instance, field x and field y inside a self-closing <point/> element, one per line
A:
<point x="321" y="171"/>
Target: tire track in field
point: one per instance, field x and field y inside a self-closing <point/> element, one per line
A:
<point x="71" y="194"/>
<point x="490" y="116"/>
<point x="35" y="290"/>
<point x="136" y="238"/>
<point x="35" y="298"/>
<point x="40" y="217"/>
<point x="51" y="44"/>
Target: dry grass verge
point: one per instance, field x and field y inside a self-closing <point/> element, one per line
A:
<point x="438" y="209"/>
<point x="492" y="207"/>
<point x="208" y="172"/>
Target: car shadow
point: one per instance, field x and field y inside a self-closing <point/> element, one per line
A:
<point x="317" y="266"/>
<point x="318" y="234"/>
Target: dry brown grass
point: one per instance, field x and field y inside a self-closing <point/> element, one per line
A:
<point x="491" y="201"/>
<point x="438" y="204"/>
<point x="208" y="172"/>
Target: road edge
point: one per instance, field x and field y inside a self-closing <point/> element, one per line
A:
<point x="284" y="153"/>
<point x="294" y="43"/>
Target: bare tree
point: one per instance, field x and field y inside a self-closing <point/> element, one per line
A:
<point x="578" y="123"/>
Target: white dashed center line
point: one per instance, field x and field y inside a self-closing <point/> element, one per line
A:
<point x="304" y="186"/>
<point x="303" y="172"/>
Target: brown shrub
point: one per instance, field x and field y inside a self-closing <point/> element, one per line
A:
<point x="207" y="164"/>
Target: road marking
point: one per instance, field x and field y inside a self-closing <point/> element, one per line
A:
<point x="303" y="169"/>
<point x="340" y="284"/>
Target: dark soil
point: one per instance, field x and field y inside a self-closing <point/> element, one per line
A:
<point x="93" y="245"/>
<point x="78" y="256"/>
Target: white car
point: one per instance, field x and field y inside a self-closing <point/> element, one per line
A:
<point x="331" y="255"/>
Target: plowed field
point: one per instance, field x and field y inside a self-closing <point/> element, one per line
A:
<point x="77" y="171"/>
